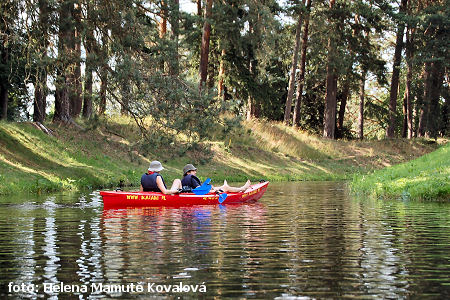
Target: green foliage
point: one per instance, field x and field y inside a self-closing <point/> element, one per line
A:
<point x="424" y="178"/>
<point x="151" y="74"/>
<point x="255" y="53"/>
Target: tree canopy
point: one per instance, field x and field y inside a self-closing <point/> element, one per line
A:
<point x="360" y="68"/>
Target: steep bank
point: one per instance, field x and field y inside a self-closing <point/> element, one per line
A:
<point x="111" y="153"/>
<point x="425" y="178"/>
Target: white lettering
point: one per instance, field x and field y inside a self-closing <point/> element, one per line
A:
<point x="150" y="287"/>
<point x="52" y="288"/>
<point x="202" y="288"/>
<point x="96" y="288"/>
<point x="22" y="288"/>
<point x="116" y="288"/>
<point x="177" y="288"/>
<point x="194" y="288"/>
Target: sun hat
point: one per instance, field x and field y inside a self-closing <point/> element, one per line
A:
<point x="188" y="167"/>
<point x="155" y="166"/>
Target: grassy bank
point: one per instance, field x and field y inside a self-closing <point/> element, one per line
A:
<point x="111" y="152"/>
<point x="427" y="177"/>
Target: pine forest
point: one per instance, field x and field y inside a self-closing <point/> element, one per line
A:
<point x="362" y="69"/>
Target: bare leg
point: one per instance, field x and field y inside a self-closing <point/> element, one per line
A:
<point x="226" y="188"/>
<point x="176" y="185"/>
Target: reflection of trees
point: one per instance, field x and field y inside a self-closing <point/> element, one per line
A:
<point x="379" y="262"/>
<point x="50" y="242"/>
<point x="309" y="240"/>
<point x="159" y="243"/>
<point x="168" y="244"/>
<point x="17" y="261"/>
<point x="318" y="245"/>
<point x="241" y="241"/>
<point x="336" y="246"/>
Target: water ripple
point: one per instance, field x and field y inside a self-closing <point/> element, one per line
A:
<point x="301" y="241"/>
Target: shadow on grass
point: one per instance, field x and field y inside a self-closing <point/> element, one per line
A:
<point x="20" y="159"/>
<point x="256" y="163"/>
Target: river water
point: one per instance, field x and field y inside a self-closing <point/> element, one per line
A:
<point x="304" y="240"/>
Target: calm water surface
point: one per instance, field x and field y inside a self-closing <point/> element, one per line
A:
<point x="300" y="241"/>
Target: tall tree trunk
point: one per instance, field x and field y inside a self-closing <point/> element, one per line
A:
<point x="346" y="85"/>
<point x="4" y="100"/>
<point x="342" y="107"/>
<point x="4" y="84"/>
<point x="301" y="78"/>
<point x="40" y="86"/>
<point x="250" y="101"/>
<point x="163" y="21"/>
<point x="162" y="30"/>
<point x="211" y="71"/>
<point x="288" y="108"/>
<point x="87" y="99"/>
<point x="409" y="74"/>
<point x="76" y="91"/>
<point x="40" y="96"/>
<point x="220" y="88"/>
<point x="65" y="49"/>
<point x="174" y="22"/>
<point x="88" y="79"/>
<point x="390" y="131"/>
<point x="434" y="113"/>
<point x="199" y="8"/>
<point x="103" y="88"/>
<point x="405" y="116"/>
<point x="423" y="115"/>
<point x="362" y="96"/>
<point x="253" y="108"/>
<point x="446" y="111"/>
<point x="5" y="32"/>
<point x="103" y="75"/>
<point x="125" y="89"/>
<point x="329" y="119"/>
<point x="204" y="51"/>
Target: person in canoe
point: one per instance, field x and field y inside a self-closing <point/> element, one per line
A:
<point x="191" y="180"/>
<point x="152" y="181"/>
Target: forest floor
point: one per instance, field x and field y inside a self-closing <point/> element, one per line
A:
<point x="111" y="153"/>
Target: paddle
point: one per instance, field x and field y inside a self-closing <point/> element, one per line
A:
<point x="222" y="197"/>
<point x="204" y="188"/>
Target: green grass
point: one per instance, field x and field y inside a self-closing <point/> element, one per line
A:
<point x="31" y="161"/>
<point x="427" y="177"/>
<point x="110" y="152"/>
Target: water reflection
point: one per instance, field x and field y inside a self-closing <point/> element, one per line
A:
<point x="301" y="240"/>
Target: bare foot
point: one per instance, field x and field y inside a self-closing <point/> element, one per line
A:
<point x="245" y="186"/>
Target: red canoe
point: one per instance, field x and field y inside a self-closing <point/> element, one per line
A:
<point x="121" y="199"/>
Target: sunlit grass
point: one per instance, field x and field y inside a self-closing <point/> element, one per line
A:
<point x="427" y="177"/>
<point x="32" y="161"/>
<point x="107" y="152"/>
<point x="276" y="137"/>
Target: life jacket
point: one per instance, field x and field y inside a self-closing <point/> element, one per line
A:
<point x="148" y="182"/>
<point x="191" y="181"/>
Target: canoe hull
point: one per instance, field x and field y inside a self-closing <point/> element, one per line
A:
<point x="122" y="199"/>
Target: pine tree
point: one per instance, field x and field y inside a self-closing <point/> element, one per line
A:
<point x="204" y="53"/>
<point x="292" y="72"/>
<point x="301" y="78"/>
<point x="390" y="131"/>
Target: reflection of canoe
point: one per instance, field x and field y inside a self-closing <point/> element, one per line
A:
<point x="120" y="199"/>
